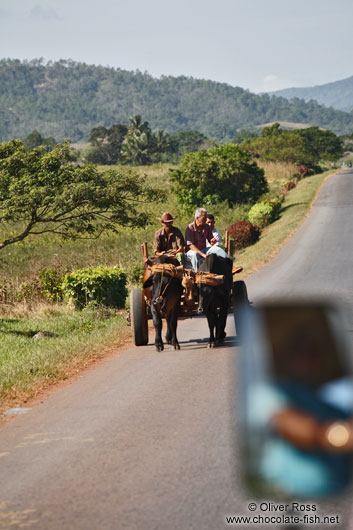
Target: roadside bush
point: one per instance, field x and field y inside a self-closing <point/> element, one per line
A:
<point x="289" y="185"/>
<point x="244" y="234"/>
<point x="266" y="212"/>
<point x="50" y="282"/>
<point x="303" y="171"/>
<point x="102" y="285"/>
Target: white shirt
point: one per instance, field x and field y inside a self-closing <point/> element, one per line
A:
<point x="217" y="236"/>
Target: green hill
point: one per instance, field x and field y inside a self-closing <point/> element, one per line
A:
<point x="338" y="95"/>
<point x="67" y="99"/>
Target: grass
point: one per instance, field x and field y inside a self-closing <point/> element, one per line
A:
<point x="295" y="209"/>
<point x="28" y="366"/>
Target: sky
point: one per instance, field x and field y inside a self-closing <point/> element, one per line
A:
<point x="260" y="45"/>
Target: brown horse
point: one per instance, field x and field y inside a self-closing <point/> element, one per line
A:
<point x="163" y="292"/>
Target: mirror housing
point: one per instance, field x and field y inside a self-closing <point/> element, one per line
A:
<point x="294" y="400"/>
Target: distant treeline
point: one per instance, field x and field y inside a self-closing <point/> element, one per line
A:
<point x="68" y="99"/>
<point x="136" y="144"/>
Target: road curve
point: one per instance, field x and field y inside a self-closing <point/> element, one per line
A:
<point x="145" y="440"/>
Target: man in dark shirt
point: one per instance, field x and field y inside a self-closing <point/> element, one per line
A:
<point x="168" y="240"/>
<point x="197" y="235"/>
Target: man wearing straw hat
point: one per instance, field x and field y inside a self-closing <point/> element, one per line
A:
<point x="168" y="240"/>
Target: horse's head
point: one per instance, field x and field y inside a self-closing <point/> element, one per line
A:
<point x="159" y="283"/>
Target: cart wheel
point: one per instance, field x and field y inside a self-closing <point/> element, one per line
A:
<point x="138" y="316"/>
<point x="240" y="299"/>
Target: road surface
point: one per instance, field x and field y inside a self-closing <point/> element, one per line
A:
<point x="145" y="441"/>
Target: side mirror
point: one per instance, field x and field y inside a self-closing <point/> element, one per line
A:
<point x="294" y="401"/>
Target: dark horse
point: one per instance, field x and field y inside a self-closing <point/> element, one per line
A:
<point x="215" y="299"/>
<point x="164" y="292"/>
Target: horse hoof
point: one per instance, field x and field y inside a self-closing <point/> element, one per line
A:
<point x="159" y="347"/>
<point x="211" y="345"/>
<point x="176" y="347"/>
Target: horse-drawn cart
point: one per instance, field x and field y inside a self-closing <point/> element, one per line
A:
<point x="190" y="300"/>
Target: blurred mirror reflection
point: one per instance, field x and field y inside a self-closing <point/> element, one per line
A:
<point x="295" y="401"/>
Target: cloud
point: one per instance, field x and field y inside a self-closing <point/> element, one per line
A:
<point x="273" y="82"/>
<point x="43" y="13"/>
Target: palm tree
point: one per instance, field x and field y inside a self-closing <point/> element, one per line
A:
<point x="136" y="125"/>
<point x="161" y="142"/>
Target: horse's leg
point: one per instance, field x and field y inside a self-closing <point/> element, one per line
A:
<point x="220" y="326"/>
<point x="211" y="324"/>
<point x="172" y="325"/>
<point x="168" y="335"/>
<point x="157" y="321"/>
<point x="171" y="309"/>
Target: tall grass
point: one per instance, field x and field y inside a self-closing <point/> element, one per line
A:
<point x="278" y="173"/>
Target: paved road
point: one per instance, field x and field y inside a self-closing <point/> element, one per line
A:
<point x="145" y="441"/>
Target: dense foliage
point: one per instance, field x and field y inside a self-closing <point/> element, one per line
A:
<point x="42" y="192"/>
<point x="35" y="139"/>
<point x="137" y="144"/>
<point x="223" y="173"/>
<point x="244" y="234"/>
<point x="106" y="144"/>
<point x="100" y="285"/>
<point x="67" y="99"/>
<point x="302" y="146"/>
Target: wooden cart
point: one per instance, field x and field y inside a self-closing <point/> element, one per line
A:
<point x="190" y="306"/>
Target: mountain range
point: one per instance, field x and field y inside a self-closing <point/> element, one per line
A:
<point x="67" y="99"/>
<point x="338" y="94"/>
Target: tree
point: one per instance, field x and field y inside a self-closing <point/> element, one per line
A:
<point x="271" y="130"/>
<point x="324" y="145"/>
<point x="287" y="146"/>
<point x="187" y="141"/>
<point x="223" y="173"/>
<point x="136" y="125"/>
<point x="35" y="139"/>
<point x="139" y="144"/>
<point x="244" y="135"/>
<point x="302" y="146"/>
<point x="42" y="192"/>
<point x="161" y="144"/>
<point x="106" y="144"/>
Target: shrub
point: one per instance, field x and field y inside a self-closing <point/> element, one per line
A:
<point x="102" y="285"/>
<point x="223" y="173"/>
<point x="303" y="171"/>
<point x="244" y="234"/>
<point x="289" y="185"/>
<point x="50" y="282"/>
<point x="28" y="291"/>
<point x="266" y="212"/>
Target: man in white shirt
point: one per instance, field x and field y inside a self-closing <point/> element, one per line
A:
<point x="216" y="234"/>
